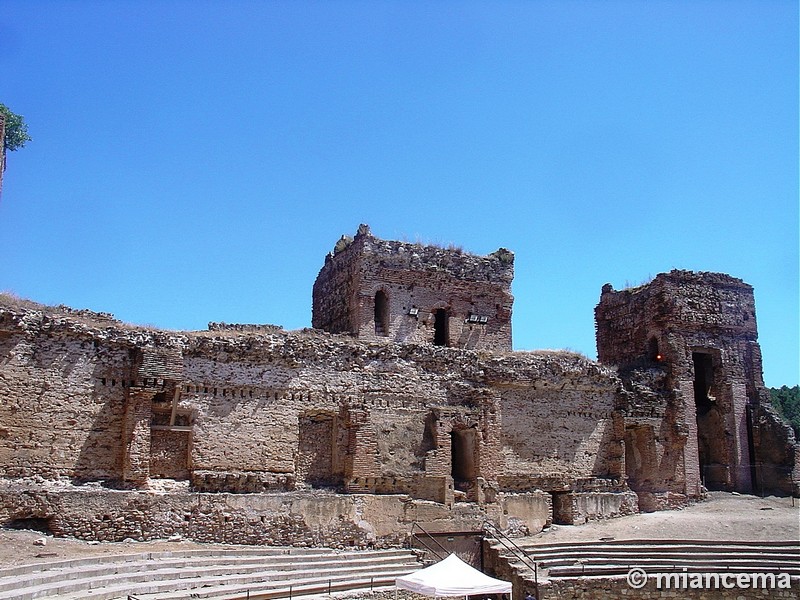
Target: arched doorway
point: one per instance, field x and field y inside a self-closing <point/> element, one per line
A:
<point x="381" y="313"/>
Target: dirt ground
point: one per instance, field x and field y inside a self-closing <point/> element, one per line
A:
<point x="723" y="517"/>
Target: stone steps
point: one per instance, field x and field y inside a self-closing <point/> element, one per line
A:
<point x="616" y="557"/>
<point x="533" y="545"/>
<point x="283" y="589"/>
<point x="132" y="573"/>
<point x="238" y="552"/>
<point x="225" y="572"/>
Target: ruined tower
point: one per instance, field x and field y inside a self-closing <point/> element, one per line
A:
<point x="694" y="335"/>
<point x="376" y="289"/>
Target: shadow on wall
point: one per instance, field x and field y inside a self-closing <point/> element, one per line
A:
<point x="100" y="456"/>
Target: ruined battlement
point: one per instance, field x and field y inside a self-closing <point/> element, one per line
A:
<point x="405" y="396"/>
<point x="496" y="268"/>
<point x="296" y="409"/>
<point x="388" y="290"/>
<point x="633" y="324"/>
<point x="697" y="334"/>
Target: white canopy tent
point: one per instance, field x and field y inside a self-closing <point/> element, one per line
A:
<point x="452" y="577"/>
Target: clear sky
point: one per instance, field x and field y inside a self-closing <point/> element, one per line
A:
<point x="194" y="161"/>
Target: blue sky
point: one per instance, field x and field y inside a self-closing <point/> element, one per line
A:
<point x="195" y="161"/>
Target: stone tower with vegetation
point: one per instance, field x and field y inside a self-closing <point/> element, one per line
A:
<point x="375" y="289"/>
<point x="692" y="339"/>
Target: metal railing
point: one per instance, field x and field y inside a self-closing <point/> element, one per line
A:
<point x="491" y="530"/>
<point x="415" y="536"/>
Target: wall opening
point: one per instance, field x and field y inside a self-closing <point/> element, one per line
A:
<point x="711" y="438"/>
<point x="463" y="451"/>
<point x="441" y="335"/>
<point x="41" y="524"/>
<point x="316" y="462"/>
<point x="652" y="350"/>
<point x="563" y="508"/>
<point x="641" y="458"/>
<point x="381" y="313"/>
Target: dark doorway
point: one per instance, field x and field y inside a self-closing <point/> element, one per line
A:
<point x="652" y="350"/>
<point x="441" y="335"/>
<point x="711" y="438"/>
<point x="462" y="450"/>
<point x="563" y="509"/>
<point x="381" y="313"/>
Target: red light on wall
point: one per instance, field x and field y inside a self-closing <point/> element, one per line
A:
<point x="659" y="358"/>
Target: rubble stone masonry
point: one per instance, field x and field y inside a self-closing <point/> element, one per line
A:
<point x="253" y="434"/>
<point x="687" y="348"/>
<point x="373" y="289"/>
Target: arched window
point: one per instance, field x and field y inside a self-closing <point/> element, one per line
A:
<point x="381" y="313"/>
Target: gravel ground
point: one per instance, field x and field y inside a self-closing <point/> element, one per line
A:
<point x="723" y="517"/>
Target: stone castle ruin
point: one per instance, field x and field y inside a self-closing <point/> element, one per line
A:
<point x="404" y="404"/>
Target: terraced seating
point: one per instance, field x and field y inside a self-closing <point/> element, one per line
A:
<point x="261" y="573"/>
<point x="616" y="557"/>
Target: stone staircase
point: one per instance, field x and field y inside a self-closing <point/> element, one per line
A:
<point x="614" y="558"/>
<point x="257" y="573"/>
<point x="617" y="557"/>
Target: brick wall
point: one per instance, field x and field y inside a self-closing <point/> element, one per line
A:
<point x="255" y="410"/>
<point x="690" y="338"/>
<point x="474" y="293"/>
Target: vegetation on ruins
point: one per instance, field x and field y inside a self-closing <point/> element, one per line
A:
<point x="505" y="256"/>
<point x="16" y="130"/>
<point x="342" y="244"/>
<point x="787" y="402"/>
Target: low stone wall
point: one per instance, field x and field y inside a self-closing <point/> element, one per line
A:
<point x="570" y="508"/>
<point x="316" y="518"/>
<point x="651" y="502"/>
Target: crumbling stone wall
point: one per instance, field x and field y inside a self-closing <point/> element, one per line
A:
<point x="691" y="340"/>
<point x="90" y="512"/>
<point x="252" y="416"/>
<point x="64" y="395"/>
<point x="274" y="411"/>
<point x="777" y="452"/>
<point x="378" y="289"/>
